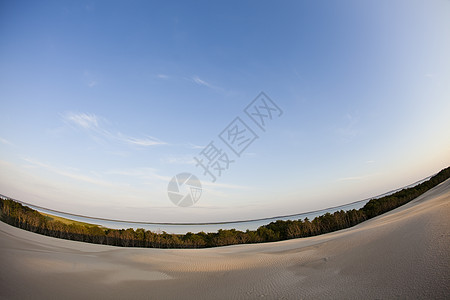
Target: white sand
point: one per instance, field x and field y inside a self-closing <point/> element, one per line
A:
<point x="402" y="254"/>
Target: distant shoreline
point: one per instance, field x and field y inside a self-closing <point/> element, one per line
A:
<point x="401" y="254"/>
<point x="178" y="227"/>
<point x="16" y="214"/>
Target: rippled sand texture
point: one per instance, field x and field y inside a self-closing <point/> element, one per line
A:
<point x="402" y="254"/>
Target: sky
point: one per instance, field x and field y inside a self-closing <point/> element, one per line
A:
<point x="103" y="102"/>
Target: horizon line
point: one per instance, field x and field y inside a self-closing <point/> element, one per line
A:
<point x="37" y="207"/>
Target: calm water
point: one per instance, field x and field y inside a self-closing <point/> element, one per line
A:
<point x="208" y="227"/>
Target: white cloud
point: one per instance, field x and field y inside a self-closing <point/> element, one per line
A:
<point x="139" y="173"/>
<point x="69" y="174"/>
<point x="145" y="175"/>
<point x="199" y="81"/>
<point x="87" y="121"/>
<point x="131" y="172"/>
<point x="90" y="79"/>
<point x="351" y="178"/>
<point x="355" y="178"/>
<point x="180" y="159"/>
<point x="350" y="129"/>
<point x="6" y="142"/>
<point x="193" y="146"/>
<point x="147" y="141"/>
<point x="95" y="125"/>
<point x="223" y="185"/>
<point x="162" y="76"/>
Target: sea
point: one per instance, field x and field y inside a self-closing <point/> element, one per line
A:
<point x="182" y="228"/>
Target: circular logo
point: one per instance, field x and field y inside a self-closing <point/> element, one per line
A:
<point x="184" y="189"/>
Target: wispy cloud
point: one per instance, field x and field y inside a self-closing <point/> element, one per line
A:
<point x="350" y="178"/>
<point x="350" y="129"/>
<point x="69" y="173"/>
<point x="87" y="121"/>
<point x="97" y="125"/>
<point x="199" y="81"/>
<point x="193" y="146"/>
<point x="355" y="178"/>
<point x="223" y="185"/>
<point x="110" y="178"/>
<point x="146" y="141"/>
<point x="5" y="142"/>
<point x="194" y="79"/>
<point x="146" y="174"/>
<point x="90" y="79"/>
<point x="143" y="173"/>
<point x="202" y="82"/>
<point x="180" y="159"/>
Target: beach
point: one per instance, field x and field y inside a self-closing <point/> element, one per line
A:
<point x="404" y="253"/>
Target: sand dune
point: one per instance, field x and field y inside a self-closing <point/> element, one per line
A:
<point x="402" y="254"/>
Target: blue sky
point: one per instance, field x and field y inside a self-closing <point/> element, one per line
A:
<point x="103" y="102"/>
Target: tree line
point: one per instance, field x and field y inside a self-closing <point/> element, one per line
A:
<point x="16" y="214"/>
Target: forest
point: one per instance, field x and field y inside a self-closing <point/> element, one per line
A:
<point x="18" y="215"/>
